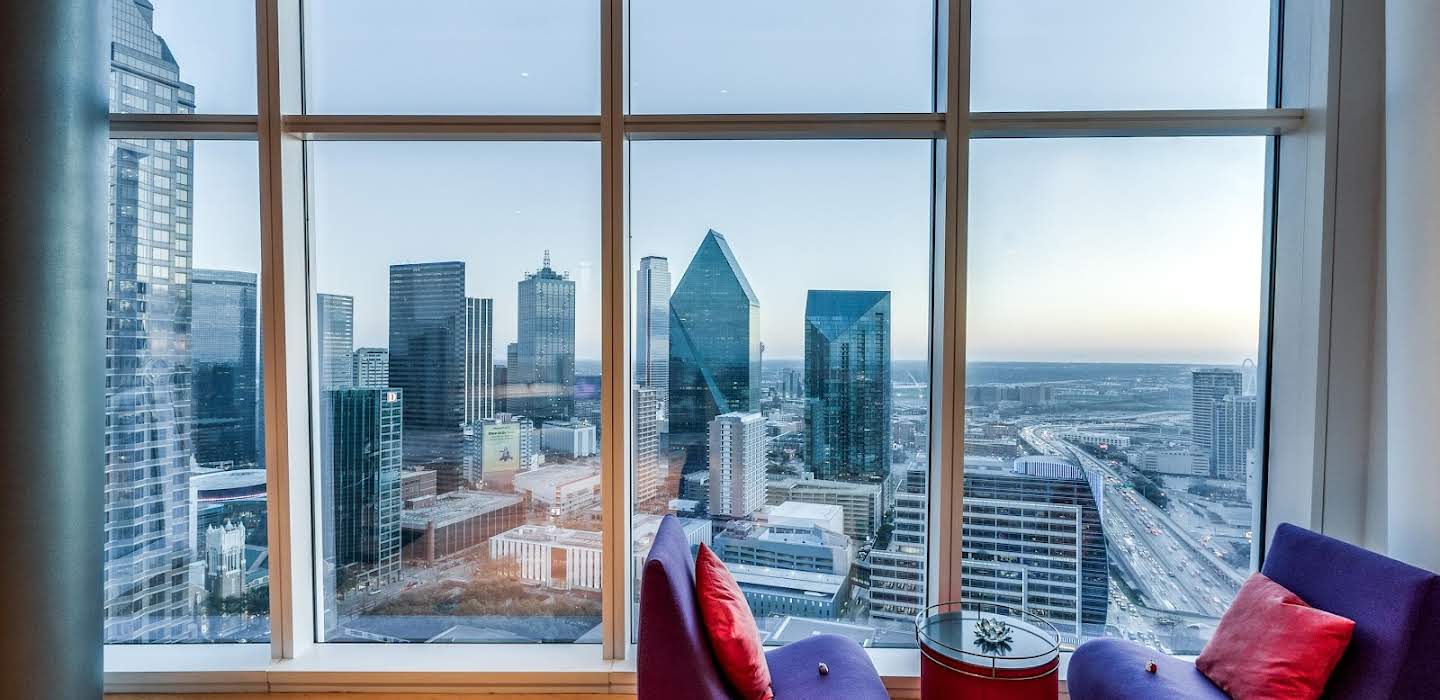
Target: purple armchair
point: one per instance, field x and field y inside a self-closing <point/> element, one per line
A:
<point x="1395" y="606"/>
<point x="675" y="659"/>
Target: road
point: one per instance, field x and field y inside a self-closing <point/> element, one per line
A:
<point x="1172" y="572"/>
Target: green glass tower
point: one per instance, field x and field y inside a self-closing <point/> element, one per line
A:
<point x="847" y="384"/>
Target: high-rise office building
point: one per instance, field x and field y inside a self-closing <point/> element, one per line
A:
<point x="737" y="464"/>
<point x="479" y="364"/>
<point x="897" y="572"/>
<point x="427" y="360"/>
<point x="645" y="447"/>
<point x="496" y="448"/>
<point x="847" y="384"/>
<point x="1207" y="388"/>
<point x="1234" y="436"/>
<point x="361" y="456"/>
<point x="542" y="377"/>
<point x="148" y="401"/>
<point x="225" y="379"/>
<point x="372" y="368"/>
<point x="652" y="325"/>
<point x="335" y="327"/>
<point x="714" y="347"/>
<point x="1034" y="540"/>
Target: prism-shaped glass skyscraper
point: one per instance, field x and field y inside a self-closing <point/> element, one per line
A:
<point x="714" y="347"/>
<point x="847" y="384"/>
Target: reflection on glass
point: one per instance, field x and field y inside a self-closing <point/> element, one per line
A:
<point x="1047" y="55"/>
<point x="185" y="531"/>
<point x="754" y="56"/>
<point x="1111" y="461"/>
<point x="780" y="399"/>
<point x="452" y="57"/>
<point x="458" y="391"/>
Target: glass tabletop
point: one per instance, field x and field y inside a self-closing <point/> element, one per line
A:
<point x="987" y="634"/>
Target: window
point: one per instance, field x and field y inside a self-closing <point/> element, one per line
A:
<point x="186" y="553"/>
<point x="522" y="320"/>
<point x="781" y="404"/>
<point x="457" y="325"/>
<point x="1112" y="462"/>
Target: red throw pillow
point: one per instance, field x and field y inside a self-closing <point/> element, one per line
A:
<point x="1271" y="644"/>
<point x="733" y="634"/>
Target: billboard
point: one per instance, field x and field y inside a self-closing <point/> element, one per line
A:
<point x="501" y="450"/>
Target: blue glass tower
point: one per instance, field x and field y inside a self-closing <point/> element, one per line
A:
<point x="847" y="384"/>
<point x="714" y="347"/>
<point x="225" y="379"/>
<point x="427" y="361"/>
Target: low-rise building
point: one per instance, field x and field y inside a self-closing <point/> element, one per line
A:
<point x="572" y="438"/>
<point x="785" y="592"/>
<point x="457" y="521"/>
<point x="564" y="488"/>
<point x="860" y="503"/>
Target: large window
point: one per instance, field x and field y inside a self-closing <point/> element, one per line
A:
<point x="782" y="362"/>
<point x="457" y="391"/>
<point x="1112" y="460"/>
<point x="521" y="279"/>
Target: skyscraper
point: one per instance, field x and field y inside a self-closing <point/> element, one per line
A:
<point x="372" y="367"/>
<point x="737" y="464"/>
<point x="1034" y="540"/>
<point x="897" y="572"/>
<point x="652" y="325"/>
<point x="645" y="449"/>
<point x="479" y="366"/>
<point x="427" y="361"/>
<point x="542" y="378"/>
<point x="225" y="378"/>
<point x="148" y="403"/>
<point x="361" y="456"/>
<point x="714" y="347"/>
<point x="847" y="384"/>
<point x="1234" y="436"/>
<point x="335" y="325"/>
<point x="1207" y="388"/>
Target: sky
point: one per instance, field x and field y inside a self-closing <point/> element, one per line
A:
<point x="1084" y="249"/>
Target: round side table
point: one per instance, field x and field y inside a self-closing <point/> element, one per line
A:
<point x="985" y="651"/>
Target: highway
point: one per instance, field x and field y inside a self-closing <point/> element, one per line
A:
<point x="1172" y="572"/>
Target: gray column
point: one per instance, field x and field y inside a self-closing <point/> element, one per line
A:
<point x="1412" y="210"/>
<point x="52" y="345"/>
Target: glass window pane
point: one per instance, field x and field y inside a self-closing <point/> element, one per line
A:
<point x="1119" y="54"/>
<point x="180" y="56"/>
<point x="749" y="56"/>
<point x="782" y="345"/>
<point x="185" y="531"/>
<point x="1111" y="465"/>
<point x="452" y="57"/>
<point x="457" y="327"/>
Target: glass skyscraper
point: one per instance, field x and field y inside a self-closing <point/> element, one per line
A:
<point x="652" y="325"/>
<point x="542" y="375"/>
<point x="714" y="347"/>
<point x="1208" y="387"/>
<point x="479" y="366"/>
<point x="427" y="361"/>
<point x="225" y="356"/>
<point x="149" y="413"/>
<point x="361" y="457"/>
<point x="847" y="384"/>
<point x="335" y="322"/>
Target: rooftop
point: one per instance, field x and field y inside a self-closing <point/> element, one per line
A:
<point x="456" y="506"/>
<point x="786" y="580"/>
<point x="549" y="534"/>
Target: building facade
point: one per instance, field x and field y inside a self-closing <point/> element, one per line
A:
<point x="847" y="384"/>
<point x="479" y="365"/>
<point x="861" y="503"/>
<point x="361" y="458"/>
<point x="652" y="325"/>
<point x="496" y="448"/>
<point x="1234" y="424"/>
<point x="714" y="347"/>
<point x="737" y="464"/>
<point x="1033" y="539"/>
<point x="148" y="400"/>
<point x="897" y="572"/>
<point x="225" y="379"/>
<point x="427" y="361"/>
<point x="645" y="443"/>
<point x="335" y="329"/>
<point x="570" y="438"/>
<point x="372" y="368"/>
<point x="542" y="374"/>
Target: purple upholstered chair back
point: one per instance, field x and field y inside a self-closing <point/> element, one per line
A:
<point x="674" y="658"/>
<point x="1395" y="606"/>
